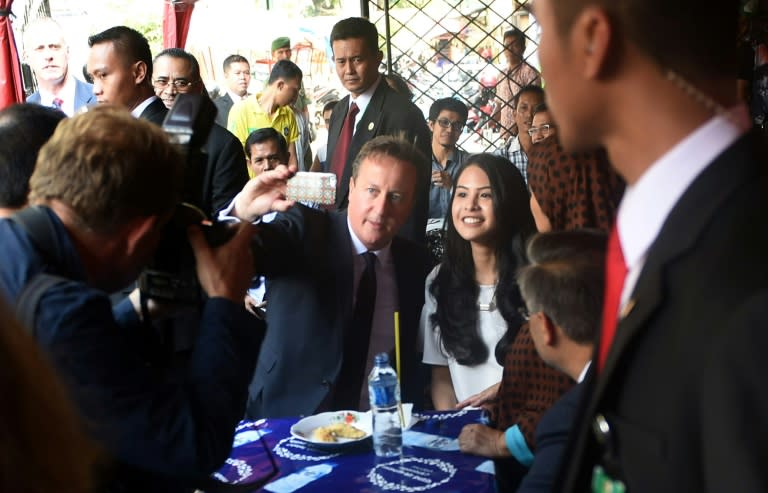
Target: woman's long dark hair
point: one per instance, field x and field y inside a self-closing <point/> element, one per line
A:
<point x="455" y="288"/>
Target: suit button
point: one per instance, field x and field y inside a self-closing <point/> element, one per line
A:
<point x="325" y="383"/>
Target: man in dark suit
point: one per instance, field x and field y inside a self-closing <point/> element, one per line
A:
<point x="47" y="53"/>
<point x="673" y="403"/>
<point x="563" y="290"/>
<point x="237" y="74"/>
<point x="320" y="350"/>
<point x="175" y="72"/>
<point x="120" y="63"/>
<point x="379" y="111"/>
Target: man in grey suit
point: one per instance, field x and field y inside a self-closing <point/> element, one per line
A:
<point x="677" y="398"/>
<point x="319" y="266"/>
<point x="374" y="109"/>
<point x="47" y="52"/>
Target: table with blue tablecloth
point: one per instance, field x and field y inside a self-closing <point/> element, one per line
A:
<point x="433" y="465"/>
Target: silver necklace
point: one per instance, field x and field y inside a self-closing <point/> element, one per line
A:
<point x="490" y="306"/>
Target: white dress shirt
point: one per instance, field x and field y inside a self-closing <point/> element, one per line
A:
<point x="67" y="96"/>
<point x="137" y="111"/>
<point x="362" y="101"/>
<point x="647" y="203"/>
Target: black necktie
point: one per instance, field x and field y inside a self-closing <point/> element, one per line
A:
<point x="356" y="339"/>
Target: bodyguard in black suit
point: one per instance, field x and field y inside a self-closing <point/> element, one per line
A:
<point x="223" y="105"/>
<point x="120" y="63"/>
<point x="177" y="72"/>
<point x="314" y="268"/>
<point x="237" y="75"/>
<point x="678" y="400"/>
<point x="385" y="112"/>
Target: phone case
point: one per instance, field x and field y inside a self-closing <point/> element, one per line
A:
<point x="312" y="187"/>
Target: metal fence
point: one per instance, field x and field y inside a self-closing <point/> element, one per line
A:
<point x="454" y="48"/>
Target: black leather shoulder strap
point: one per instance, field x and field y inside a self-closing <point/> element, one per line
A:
<point x="38" y="225"/>
<point x="29" y="299"/>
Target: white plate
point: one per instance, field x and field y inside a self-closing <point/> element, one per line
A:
<point x="303" y="428"/>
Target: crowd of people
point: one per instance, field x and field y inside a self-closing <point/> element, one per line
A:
<point x="596" y="285"/>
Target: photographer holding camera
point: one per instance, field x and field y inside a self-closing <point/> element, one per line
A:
<point x="104" y="187"/>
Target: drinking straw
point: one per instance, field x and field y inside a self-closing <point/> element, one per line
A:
<point x="397" y="345"/>
<point x="397" y="365"/>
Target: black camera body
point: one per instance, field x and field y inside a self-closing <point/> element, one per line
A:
<point x="171" y="275"/>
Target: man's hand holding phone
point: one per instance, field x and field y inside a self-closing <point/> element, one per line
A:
<point x="264" y="193"/>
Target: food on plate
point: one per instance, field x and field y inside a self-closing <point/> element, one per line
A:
<point x="333" y="432"/>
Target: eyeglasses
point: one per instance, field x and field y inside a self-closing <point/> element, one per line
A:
<point x="445" y="123"/>
<point x="179" y="84"/>
<point x="544" y="129"/>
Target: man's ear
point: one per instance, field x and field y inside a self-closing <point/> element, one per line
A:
<point x="592" y="40"/>
<point x="379" y="57"/>
<point x="137" y="231"/>
<point x="550" y="330"/>
<point x="139" y="72"/>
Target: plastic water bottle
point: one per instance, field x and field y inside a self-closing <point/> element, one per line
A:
<point x="384" y="393"/>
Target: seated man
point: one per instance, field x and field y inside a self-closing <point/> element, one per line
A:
<point x="264" y="150"/>
<point x="23" y="131"/>
<point x="324" y="330"/>
<point x="563" y="290"/>
<point x="106" y="184"/>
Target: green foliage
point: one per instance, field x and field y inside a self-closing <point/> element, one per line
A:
<point x="153" y="31"/>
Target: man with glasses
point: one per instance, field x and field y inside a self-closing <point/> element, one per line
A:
<point x="447" y="117"/>
<point x="542" y="125"/>
<point x="120" y="63"/>
<point x="177" y="72"/>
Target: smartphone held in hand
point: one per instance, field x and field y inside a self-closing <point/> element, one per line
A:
<point x="315" y="187"/>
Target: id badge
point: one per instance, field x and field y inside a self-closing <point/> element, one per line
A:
<point x="603" y="483"/>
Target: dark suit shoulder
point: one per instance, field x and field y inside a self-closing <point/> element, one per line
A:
<point x="155" y="112"/>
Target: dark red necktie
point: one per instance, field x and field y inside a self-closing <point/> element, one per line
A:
<point x="342" y="146"/>
<point x="615" y="273"/>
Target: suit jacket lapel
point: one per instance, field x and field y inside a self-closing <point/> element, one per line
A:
<point x="340" y="249"/>
<point x="679" y="234"/>
<point x="371" y="120"/>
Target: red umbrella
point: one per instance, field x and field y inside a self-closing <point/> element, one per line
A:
<point x="11" y="85"/>
<point x="176" y="17"/>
